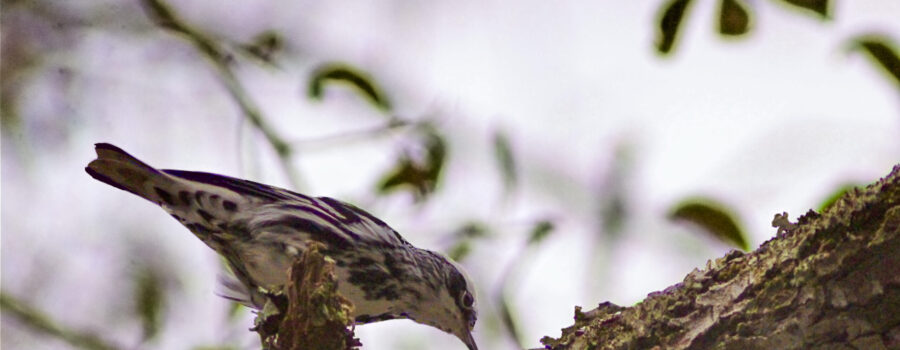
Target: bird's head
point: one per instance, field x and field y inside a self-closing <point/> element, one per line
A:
<point x="451" y="307"/>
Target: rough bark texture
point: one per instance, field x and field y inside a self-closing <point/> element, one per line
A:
<point x="829" y="281"/>
<point x="311" y="315"/>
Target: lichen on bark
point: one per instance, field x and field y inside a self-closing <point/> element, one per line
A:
<point x="829" y="281"/>
<point x="310" y="314"/>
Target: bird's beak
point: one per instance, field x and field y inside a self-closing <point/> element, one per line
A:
<point x="470" y="342"/>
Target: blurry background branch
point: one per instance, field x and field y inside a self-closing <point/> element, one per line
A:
<point x="40" y="322"/>
<point x="826" y="282"/>
<point x="162" y="14"/>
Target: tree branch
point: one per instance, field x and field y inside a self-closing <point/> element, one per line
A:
<point x="830" y="281"/>
<point x="40" y="322"/>
<point x="162" y="15"/>
<point x="312" y="315"/>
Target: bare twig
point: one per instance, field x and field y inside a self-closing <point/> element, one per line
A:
<point x="161" y="14"/>
<point x="40" y="322"/>
<point x="342" y="139"/>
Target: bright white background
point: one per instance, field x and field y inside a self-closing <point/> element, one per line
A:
<point x="773" y="122"/>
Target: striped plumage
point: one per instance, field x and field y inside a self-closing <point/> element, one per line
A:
<point x="259" y="229"/>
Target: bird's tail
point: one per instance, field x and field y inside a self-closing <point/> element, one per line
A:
<point x="183" y="196"/>
<point x="119" y="169"/>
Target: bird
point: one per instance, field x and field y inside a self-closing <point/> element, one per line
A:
<point x="260" y="230"/>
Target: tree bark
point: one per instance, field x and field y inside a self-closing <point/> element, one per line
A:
<point x="829" y="281"/>
<point x="311" y="314"/>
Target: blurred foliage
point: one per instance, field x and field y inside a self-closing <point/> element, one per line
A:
<point x="342" y="73"/>
<point x="459" y="251"/>
<point x="834" y="196"/>
<point x="672" y="15"/>
<point x="418" y="173"/>
<point x="264" y="47"/>
<point x="509" y="319"/>
<point x="612" y="197"/>
<point x="162" y="14"/>
<point x="33" y="34"/>
<point x="715" y="218"/>
<point x="883" y="51"/>
<point x="540" y="231"/>
<point x="149" y="296"/>
<point x="38" y="321"/>
<point x="506" y="161"/>
<point x="464" y="238"/>
<point x="819" y="7"/>
<point x="734" y="17"/>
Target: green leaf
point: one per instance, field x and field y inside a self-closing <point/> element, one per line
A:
<point x="734" y="18"/>
<point x="344" y="74"/>
<point x="714" y="218"/>
<point x="834" y="196"/>
<point x="820" y="7"/>
<point x="669" y="23"/>
<point x="419" y="175"/>
<point x="149" y="301"/>
<point x="883" y="51"/>
<point x="505" y="160"/>
<point x="541" y="230"/>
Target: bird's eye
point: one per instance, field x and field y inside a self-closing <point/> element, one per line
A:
<point x="467" y="299"/>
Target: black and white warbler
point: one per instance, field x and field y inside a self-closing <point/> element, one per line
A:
<point x="259" y="229"/>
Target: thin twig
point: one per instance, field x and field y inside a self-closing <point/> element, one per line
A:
<point x="342" y="139"/>
<point x="40" y="322"/>
<point x="161" y="14"/>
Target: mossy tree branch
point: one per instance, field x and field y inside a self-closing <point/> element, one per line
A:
<point x="310" y="314"/>
<point x="829" y="281"/>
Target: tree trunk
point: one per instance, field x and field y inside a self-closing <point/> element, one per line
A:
<point x="830" y="281"/>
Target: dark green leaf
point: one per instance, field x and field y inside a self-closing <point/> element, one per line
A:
<point x="540" y="231"/>
<point x="669" y="23"/>
<point x="883" y="50"/>
<point x="344" y="74"/>
<point x="837" y="194"/>
<point x="820" y="7"/>
<point x="714" y="218"/>
<point x="419" y="175"/>
<point x="734" y="18"/>
<point x="149" y="300"/>
<point x="505" y="160"/>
